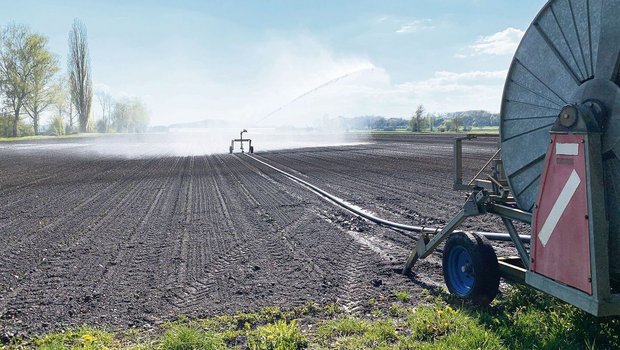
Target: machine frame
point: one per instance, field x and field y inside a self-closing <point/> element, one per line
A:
<point x="559" y="169"/>
<point x="491" y="195"/>
<point x="241" y="141"/>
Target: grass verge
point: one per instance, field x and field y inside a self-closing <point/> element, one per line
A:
<point x="520" y="319"/>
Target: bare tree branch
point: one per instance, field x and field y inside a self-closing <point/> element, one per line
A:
<point x="105" y="101"/>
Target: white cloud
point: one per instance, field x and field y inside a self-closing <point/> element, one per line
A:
<point x="452" y="77"/>
<point x="256" y="81"/>
<point x="452" y="91"/>
<point x="416" y="26"/>
<point x="372" y="92"/>
<point x="500" y="43"/>
<point x="292" y="68"/>
<point x="268" y="75"/>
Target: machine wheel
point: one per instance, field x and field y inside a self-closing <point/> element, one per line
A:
<point x="470" y="268"/>
<point x="251" y="149"/>
<point x="230" y="149"/>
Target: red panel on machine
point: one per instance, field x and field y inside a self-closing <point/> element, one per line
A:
<point x="561" y="241"/>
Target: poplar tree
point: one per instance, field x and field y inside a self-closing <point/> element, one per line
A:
<point x="80" y="80"/>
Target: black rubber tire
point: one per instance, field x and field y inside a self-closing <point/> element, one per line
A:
<point x="484" y="263"/>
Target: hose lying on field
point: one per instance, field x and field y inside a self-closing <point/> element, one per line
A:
<point x="495" y="236"/>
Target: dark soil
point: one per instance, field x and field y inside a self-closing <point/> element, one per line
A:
<point x="95" y="238"/>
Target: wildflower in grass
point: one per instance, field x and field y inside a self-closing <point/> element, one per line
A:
<point x="88" y="338"/>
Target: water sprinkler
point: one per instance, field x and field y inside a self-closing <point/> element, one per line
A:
<point x="241" y="140"/>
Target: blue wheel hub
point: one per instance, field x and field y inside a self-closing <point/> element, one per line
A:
<point x="460" y="270"/>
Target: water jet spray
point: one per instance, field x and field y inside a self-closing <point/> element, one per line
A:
<point x="327" y="83"/>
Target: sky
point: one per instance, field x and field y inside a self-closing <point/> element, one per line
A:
<point x="245" y="61"/>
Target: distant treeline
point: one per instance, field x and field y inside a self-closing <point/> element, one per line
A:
<point x="456" y="121"/>
<point x="475" y="119"/>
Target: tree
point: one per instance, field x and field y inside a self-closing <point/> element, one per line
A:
<point x="57" y="125"/>
<point x="418" y="116"/>
<point x="417" y="123"/>
<point x="80" y="81"/>
<point x="63" y="104"/>
<point x="71" y="114"/>
<point x="105" y="101"/>
<point x="120" y="116"/>
<point x="423" y="124"/>
<point x="20" y="58"/>
<point x="130" y="115"/>
<point x="140" y="116"/>
<point x="6" y="122"/>
<point x="457" y="123"/>
<point x="42" y="91"/>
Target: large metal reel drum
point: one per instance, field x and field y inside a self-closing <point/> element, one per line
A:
<point x="569" y="54"/>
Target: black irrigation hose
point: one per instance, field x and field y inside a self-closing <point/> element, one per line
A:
<point x="494" y="236"/>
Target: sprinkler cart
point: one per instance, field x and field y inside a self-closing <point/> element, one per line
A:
<point x="241" y="140"/>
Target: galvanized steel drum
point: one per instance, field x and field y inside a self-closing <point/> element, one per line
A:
<point x="569" y="54"/>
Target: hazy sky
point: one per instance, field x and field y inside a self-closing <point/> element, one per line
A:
<point x="241" y="60"/>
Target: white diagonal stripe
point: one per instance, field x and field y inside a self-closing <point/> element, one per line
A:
<point x="558" y="208"/>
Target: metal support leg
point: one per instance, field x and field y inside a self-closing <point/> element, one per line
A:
<point x="424" y="246"/>
<point x="512" y="231"/>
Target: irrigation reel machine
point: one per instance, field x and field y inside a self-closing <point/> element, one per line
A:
<point x="558" y="168"/>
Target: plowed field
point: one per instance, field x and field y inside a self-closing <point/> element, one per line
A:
<point x="98" y="238"/>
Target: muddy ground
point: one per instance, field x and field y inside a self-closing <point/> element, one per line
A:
<point x="109" y="239"/>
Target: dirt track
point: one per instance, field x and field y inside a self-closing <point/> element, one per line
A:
<point x="102" y="239"/>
